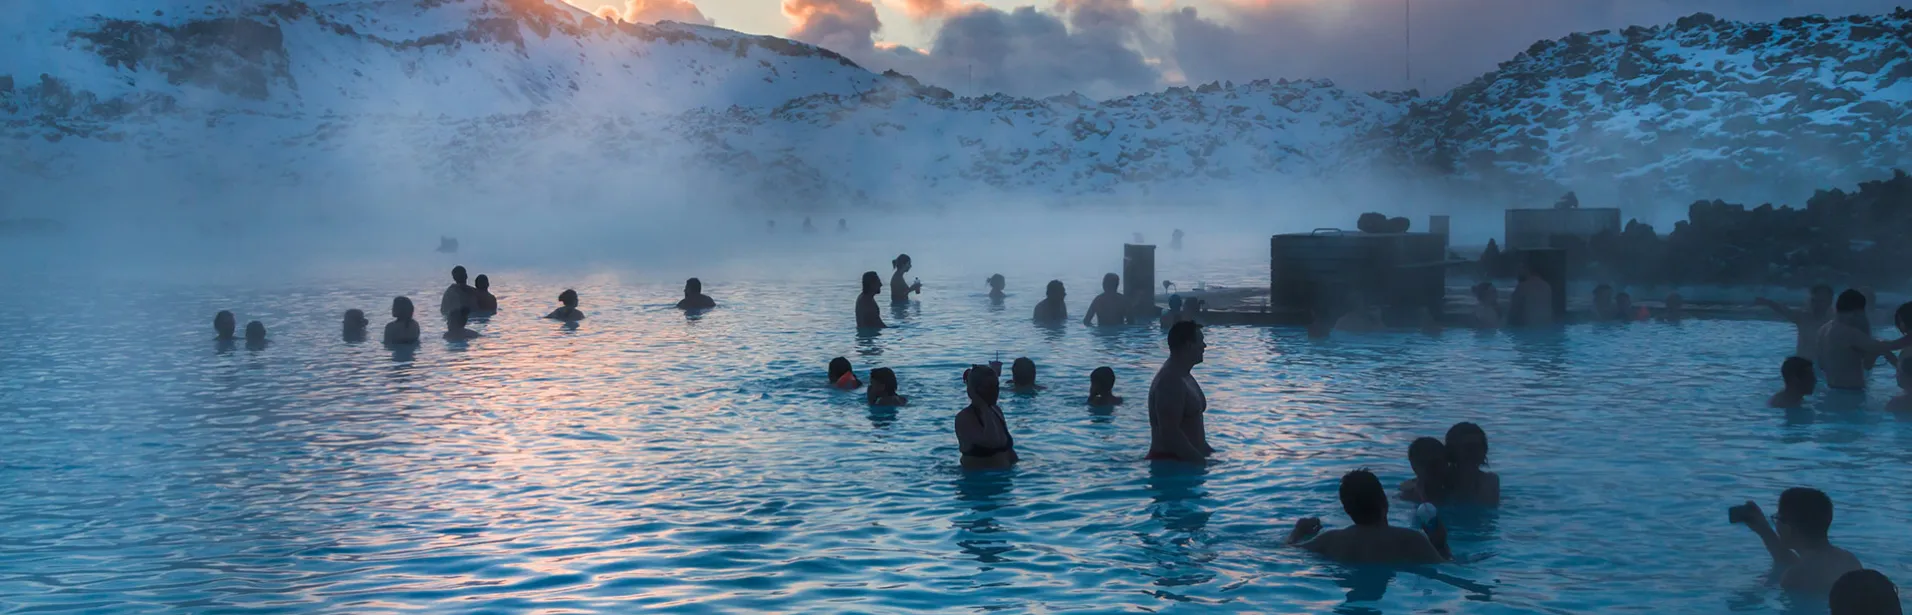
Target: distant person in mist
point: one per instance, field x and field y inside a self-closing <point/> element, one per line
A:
<point x="868" y="315"/>
<point x="568" y="312"/>
<point x="459" y="294"/>
<point x="1800" y="379"/>
<point x="1175" y="240"/>
<point x="1108" y="308"/>
<point x="843" y="225"/>
<point x="1051" y="310"/>
<point x="1846" y="346"/>
<point x="694" y="297"/>
<point x="483" y="302"/>
<point x="1532" y="303"/>
<point x="225" y="326"/>
<point x="255" y="335"/>
<point x="1807" y="323"/>
<point x="808" y="227"/>
<point x="996" y="284"/>
<point x="402" y="329"/>
<point x="355" y="324"/>
<point x="899" y="292"/>
<point x="770" y="226"/>
<point x="455" y="330"/>
<point x="1487" y="313"/>
<point x="1176" y="402"/>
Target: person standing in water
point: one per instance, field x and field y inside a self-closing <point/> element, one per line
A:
<point x="1102" y="388"/>
<point x="1110" y="307"/>
<point x="1800" y="546"/>
<point x="484" y="302"/>
<point x="1176" y="402"/>
<point x="1532" y="303"/>
<point x="225" y="326"/>
<point x="1486" y="306"/>
<point x="1174" y="312"/>
<point x="455" y="326"/>
<point x="402" y="329"/>
<point x="868" y="316"/>
<point x="843" y="225"/>
<point x="808" y="227"/>
<point x="1808" y="323"/>
<point x="694" y="297"/>
<point x="459" y="294"/>
<point x="899" y="292"/>
<point x="1428" y="458"/>
<point x="1051" y="310"/>
<point x="1800" y="380"/>
<point x="982" y="434"/>
<point x="568" y="312"/>
<point x="1371" y="540"/>
<point x="996" y="284"/>
<point x="1467" y="482"/>
<point x="1846" y="346"/>
<point x="355" y="324"/>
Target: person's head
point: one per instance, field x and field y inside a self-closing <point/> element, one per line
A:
<point x="1185" y="342"/>
<point x="1850" y="302"/>
<point x="255" y="331"/>
<point x="224" y="323"/>
<point x="1364" y="499"/>
<point x="1022" y="372"/>
<point x="1102" y="381"/>
<point x="1111" y="282"/>
<point x="1821" y="301"/>
<point x="1467" y="446"/>
<point x="901" y="263"/>
<point x="354" y="319"/>
<point x="1603" y="294"/>
<point x="1903" y="317"/>
<point x="1174" y="303"/>
<point x="693" y="287"/>
<point x="872" y="283"/>
<point x="1674" y="301"/>
<point x="1428" y="458"/>
<point x="838" y="367"/>
<point x="483" y="282"/>
<point x="996" y="282"/>
<point x="1798" y="375"/>
<point x="402" y="308"/>
<point x="569" y="298"/>
<point x="1056" y="290"/>
<point x="455" y="321"/>
<point x="458" y="274"/>
<point x="981" y="383"/>
<point x="882" y="382"/>
<point x="1805" y="516"/>
<point x="1864" y="592"/>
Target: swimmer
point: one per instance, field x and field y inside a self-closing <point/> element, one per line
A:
<point x="1864" y="592"/>
<point x="694" y="297"/>
<point x="459" y="294"/>
<point x="455" y="326"/>
<point x="1358" y="319"/>
<point x="1428" y="458"/>
<point x="1603" y="304"/>
<point x="223" y="326"/>
<point x="1846" y="346"/>
<point x="1675" y="309"/>
<point x="1623" y="306"/>
<point x="1022" y="376"/>
<point x="1371" y="540"/>
<point x="807" y="226"/>
<point x="482" y="299"/>
<point x="1176" y="401"/>
<point x="1796" y="538"/>
<point x="1175" y="240"/>
<point x="402" y="329"/>
<point x="1108" y="308"/>
<point x="1800" y="380"/>
<point x="1102" y="388"/>
<point x="1467" y="483"/>
<point x="1486" y="306"/>
<point x="1051" y="310"/>
<point x="1174" y="312"/>
<point x="982" y="434"/>
<point x="899" y="293"/>
<point x="255" y="335"/>
<point x="867" y="314"/>
<point x="996" y="284"/>
<point x="883" y="388"/>
<point x="568" y="312"/>
<point x="355" y="324"/>
<point x="1806" y="324"/>
<point x="1532" y="303"/>
<point x="842" y="376"/>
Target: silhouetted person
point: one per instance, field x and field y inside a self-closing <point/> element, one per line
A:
<point x="1370" y="540"/>
<point x="996" y="284"/>
<point x="982" y="434"/>
<point x="1428" y="458"/>
<point x="1022" y="376"/>
<point x="1800" y="379"/>
<point x="1846" y="347"/>
<point x="568" y="312"/>
<point x="482" y="300"/>
<point x="355" y="324"/>
<point x="1102" y="387"/>
<point x="1174" y="312"/>
<point x="225" y="326"/>
<point x="900" y="293"/>
<point x="459" y="294"/>
<point x="883" y="389"/>
<point x="1903" y="401"/>
<point x="868" y="315"/>
<point x="1623" y="305"/>
<point x="455" y="326"/>
<point x="694" y="297"/>
<point x="770" y="226"/>
<point x="402" y="329"/>
<point x="1603" y="304"/>
<point x="1110" y="307"/>
<point x="1052" y="310"/>
<point x="1807" y="323"/>
<point x="255" y="335"/>
<point x="842" y="376"/>
<point x="843" y="225"/>
<point x="1176" y="401"/>
<point x="447" y="245"/>
<point x="1675" y="310"/>
<point x="1175" y="240"/>
<point x="1467" y="480"/>
<point x="807" y="226"/>
<point x="1532" y="303"/>
<point x="1487" y="313"/>
<point x="1864" y="592"/>
<point x="1802" y="553"/>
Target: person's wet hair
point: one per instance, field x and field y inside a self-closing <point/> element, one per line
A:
<point x="224" y="323"/>
<point x="1428" y="457"/>
<point x="1183" y="334"/>
<point x="1022" y="371"/>
<point x="458" y="274"/>
<point x="693" y="286"/>
<point x="982" y="384"/>
<point x="1111" y="282"/>
<point x="996" y="281"/>
<point x="568" y="297"/>
<point x="1055" y="289"/>
<point x="1102" y="381"/>
<point x="457" y="318"/>
<point x="872" y="283"/>
<point x="900" y="261"/>
<point x="1798" y="375"/>
<point x="402" y="308"/>
<point x="1363" y="497"/>
<point x="838" y="367"/>
<point x="1807" y="511"/>
<point x="1850" y="301"/>
<point x="355" y="319"/>
<point x="1864" y="592"/>
<point x="1467" y="446"/>
<point x="1175" y="303"/>
<point x="482" y="282"/>
<point x="882" y="383"/>
<point x="255" y="331"/>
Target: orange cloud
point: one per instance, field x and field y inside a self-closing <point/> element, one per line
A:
<point x="845" y="26"/>
<point x="653" y="11"/>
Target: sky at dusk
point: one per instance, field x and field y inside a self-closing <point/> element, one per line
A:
<point x="1105" y="48"/>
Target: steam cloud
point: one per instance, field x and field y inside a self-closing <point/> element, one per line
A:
<point x="653" y="11"/>
<point x="844" y="26"/>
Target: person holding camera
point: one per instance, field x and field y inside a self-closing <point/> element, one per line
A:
<point x="1803" y="556"/>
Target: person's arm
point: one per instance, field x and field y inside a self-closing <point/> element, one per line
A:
<point x="1095" y="305"/>
<point x="1785" y="313"/>
<point x="1875" y="347"/>
<point x="1436" y="539"/>
<point x="1305" y="531"/>
<point x="1169" y="426"/>
<point x="1755" y="520"/>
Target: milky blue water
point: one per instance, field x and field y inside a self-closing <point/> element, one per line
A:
<point x="648" y="461"/>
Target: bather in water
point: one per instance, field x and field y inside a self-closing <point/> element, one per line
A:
<point x="1467" y="482"/>
<point x="1108" y="308"/>
<point x="1371" y="540"/>
<point x="1022" y="376"/>
<point x="982" y="433"/>
<point x="568" y="312"/>
<point x="1102" y="388"/>
<point x="842" y="376"/>
<point x="455" y="326"/>
<point x="355" y="324"/>
<point x="1804" y="558"/>
<point x="402" y="329"/>
<point x="224" y="326"/>
<point x="459" y="294"/>
<point x="868" y="316"/>
<point x="1052" y="310"/>
<point x="900" y="293"/>
<point x="484" y="303"/>
<point x="1428" y="458"/>
<point x="255" y="335"/>
<point x="882" y="390"/>
<point x="1800" y="379"/>
<point x="996" y="284"/>
<point x="694" y="297"/>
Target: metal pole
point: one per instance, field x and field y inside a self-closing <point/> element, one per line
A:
<point x="1407" y="40"/>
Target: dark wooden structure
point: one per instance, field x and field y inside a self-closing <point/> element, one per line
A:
<point x="1138" y="280"/>
<point x="1321" y="270"/>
